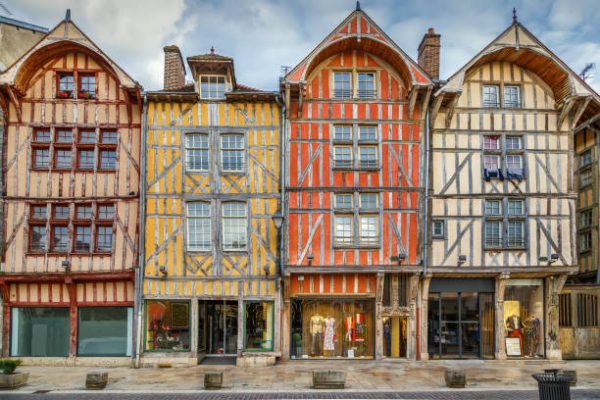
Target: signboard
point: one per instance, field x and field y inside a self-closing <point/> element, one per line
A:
<point x="513" y="346"/>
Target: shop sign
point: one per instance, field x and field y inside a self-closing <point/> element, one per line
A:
<point x="513" y="346"/>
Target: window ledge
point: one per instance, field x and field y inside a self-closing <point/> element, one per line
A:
<point x="358" y="246"/>
<point x="522" y="248"/>
<point x="357" y="169"/>
<point x="235" y="173"/>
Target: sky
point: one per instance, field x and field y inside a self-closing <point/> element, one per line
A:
<point x="263" y="35"/>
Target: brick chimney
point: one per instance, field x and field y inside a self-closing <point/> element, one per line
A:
<point x="429" y="54"/>
<point x="174" y="68"/>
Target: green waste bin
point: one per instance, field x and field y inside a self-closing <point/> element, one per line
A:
<point x="553" y="385"/>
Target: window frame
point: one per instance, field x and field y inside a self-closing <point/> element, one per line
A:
<point x="506" y="220"/>
<point x="240" y="218"/>
<point x="438" y="235"/>
<point x="512" y="104"/>
<point x="242" y="150"/>
<point x="218" y="94"/>
<point x="487" y="103"/>
<point x="189" y="218"/>
<point x="371" y="93"/>
<point x="355" y="216"/>
<point x="189" y="149"/>
<point x="342" y="93"/>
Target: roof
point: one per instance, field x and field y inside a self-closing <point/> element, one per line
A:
<point x="359" y="31"/>
<point x="22" y="24"/>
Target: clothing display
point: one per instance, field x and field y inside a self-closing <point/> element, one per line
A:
<point x="532" y="335"/>
<point x="316" y="331"/>
<point x="329" y="344"/>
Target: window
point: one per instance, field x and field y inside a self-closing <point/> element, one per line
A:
<point x="493" y="207"/>
<point x="368" y="201"/>
<point x="66" y="85"/>
<point x="108" y="160"/>
<point x="342" y="156"/>
<point x="587" y="310"/>
<point x="514" y="164"/>
<point x="106" y="211"/>
<point x="196" y="152"/>
<point x="83" y="238"/>
<point x="512" y="98"/>
<point x="343" y="229"/>
<point x="586" y="219"/>
<point x="167" y="325"/>
<point x="342" y="87"/>
<point x="367" y="133"/>
<point x="199" y="237"/>
<point x="87" y="86"/>
<point x="493" y="234"/>
<point x="366" y="85"/>
<point x="86" y="159"/>
<point x="212" y="87"/>
<point x="41" y="158"/>
<point x="368" y="156"/>
<point x="585" y="242"/>
<point x="514" y="143"/>
<point x="104" y="331"/>
<point x="585" y="178"/>
<point x="516" y="207"/>
<point x="232" y="153"/>
<point x="62" y="159"/>
<point x="490" y="96"/>
<point x="41" y="148"/>
<point x="235" y="226"/>
<point x="60" y="212"/>
<point x="516" y="233"/>
<point x="104" y="238"/>
<point x="38" y="238"/>
<point x="84" y="212"/>
<point x="585" y="158"/>
<point x="343" y="201"/>
<point x="491" y="163"/>
<point x="508" y="218"/>
<point x="369" y="229"/>
<point x="258" y="322"/>
<point x="564" y="314"/>
<point x="491" y="142"/>
<point x="438" y="229"/>
<point x="60" y="238"/>
<point x="39" y="212"/>
<point x="39" y="332"/>
<point x="109" y="137"/>
<point x="395" y="290"/>
<point x="342" y="132"/>
<point x="495" y="155"/>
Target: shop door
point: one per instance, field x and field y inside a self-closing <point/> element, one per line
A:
<point x="218" y="327"/>
<point x="394" y="336"/>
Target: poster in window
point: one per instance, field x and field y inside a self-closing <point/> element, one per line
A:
<point x="179" y="315"/>
<point x="513" y="346"/>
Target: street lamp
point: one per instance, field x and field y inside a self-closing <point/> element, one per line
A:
<point x="277" y="219"/>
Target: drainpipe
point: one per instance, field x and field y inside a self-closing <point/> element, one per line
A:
<point x="142" y="254"/>
<point x="426" y="219"/>
<point x="282" y="150"/>
<point x="597" y="132"/>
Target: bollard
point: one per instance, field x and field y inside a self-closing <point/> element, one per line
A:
<point x="213" y="380"/>
<point x="96" y="380"/>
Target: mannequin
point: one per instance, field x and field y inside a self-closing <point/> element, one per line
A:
<point x="328" y="344"/>
<point x="532" y="335"/>
<point x="514" y="326"/>
<point x="349" y="328"/>
<point x="316" y="332"/>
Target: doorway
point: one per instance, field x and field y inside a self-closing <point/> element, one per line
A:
<point x="394" y="336"/>
<point x="217" y="327"/>
<point x="461" y="325"/>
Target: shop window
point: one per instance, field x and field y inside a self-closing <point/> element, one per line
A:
<point x="66" y="85"/>
<point x="524" y="316"/>
<point x="587" y="310"/>
<point x="342" y="86"/>
<point x="235" y="226"/>
<point x="585" y="178"/>
<point x="366" y="85"/>
<point x="438" y="229"/>
<point x="258" y="326"/>
<point x="512" y="96"/>
<point x="232" y="153"/>
<point x="564" y="316"/>
<point x="585" y="158"/>
<point x="199" y="236"/>
<point x="490" y="96"/>
<point x="167" y="325"/>
<point x="40" y="332"/>
<point x="105" y="331"/>
<point x="332" y="328"/>
<point x="196" y="152"/>
<point x="87" y="86"/>
<point x="212" y="87"/>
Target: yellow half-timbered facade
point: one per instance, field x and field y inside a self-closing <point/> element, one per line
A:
<point x="211" y="266"/>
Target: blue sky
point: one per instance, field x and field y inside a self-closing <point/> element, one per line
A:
<point x="263" y="35"/>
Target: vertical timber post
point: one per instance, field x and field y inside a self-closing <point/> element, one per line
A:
<point x="500" y="328"/>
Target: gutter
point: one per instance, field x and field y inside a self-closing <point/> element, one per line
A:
<point x="142" y="253"/>
<point x="597" y="179"/>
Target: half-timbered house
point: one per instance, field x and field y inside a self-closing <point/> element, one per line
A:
<point x="71" y="167"/>
<point x="503" y="202"/>
<point x="211" y="274"/>
<point x="354" y="196"/>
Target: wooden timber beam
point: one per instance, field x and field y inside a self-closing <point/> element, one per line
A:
<point x="412" y="100"/>
<point x="300" y="97"/>
<point x="14" y="99"/>
<point x="70" y="277"/>
<point x="586" y="101"/>
<point x="437" y="103"/>
<point x="425" y="103"/>
<point x="287" y="100"/>
<point x="450" y="112"/>
<point x="565" y="110"/>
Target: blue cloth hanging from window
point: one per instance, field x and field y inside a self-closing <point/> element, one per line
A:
<point x="515" y="174"/>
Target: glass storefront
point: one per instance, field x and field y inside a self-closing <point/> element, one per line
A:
<point x="258" y="326"/>
<point x="336" y="328"/>
<point x="217" y="327"/>
<point x="40" y="332"/>
<point x="167" y="325"/>
<point x="524" y="318"/>
<point x="105" y="331"/>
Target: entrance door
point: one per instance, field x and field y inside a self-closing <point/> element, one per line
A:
<point x="394" y="336"/>
<point x="218" y="327"/>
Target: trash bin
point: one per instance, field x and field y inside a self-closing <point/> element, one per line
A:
<point x="553" y="385"/>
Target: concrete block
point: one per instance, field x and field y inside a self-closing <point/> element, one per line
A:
<point x="213" y="380"/>
<point x="96" y="380"/>
<point x="455" y="378"/>
<point x="13" y="381"/>
<point x="255" y="361"/>
<point x="329" y="379"/>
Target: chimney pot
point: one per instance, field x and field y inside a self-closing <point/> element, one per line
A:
<point x="429" y="53"/>
<point x="174" y="74"/>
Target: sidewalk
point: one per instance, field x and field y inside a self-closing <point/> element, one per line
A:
<point x="297" y="376"/>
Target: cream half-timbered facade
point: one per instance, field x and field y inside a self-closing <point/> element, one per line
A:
<point x="502" y="231"/>
<point x="71" y="167"/>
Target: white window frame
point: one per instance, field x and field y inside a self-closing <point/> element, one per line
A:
<point x="511" y="103"/>
<point x="212" y="84"/>
<point x="203" y="151"/>
<point x="344" y="129"/>
<point x="230" y="227"/>
<point x="373" y="234"/>
<point x="487" y="103"/>
<point x="234" y="150"/>
<point x="342" y="93"/>
<point x="343" y="163"/>
<point x="371" y="129"/>
<point x="366" y="93"/>
<point x="488" y="139"/>
<point x="205" y="243"/>
<point x="344" y="240"/>
<point x="369" y="163"/>
<point x="435" y="232"/>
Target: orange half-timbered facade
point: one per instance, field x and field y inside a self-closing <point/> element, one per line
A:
<point x="354" y="196"/>
<point x="71" y="168"/>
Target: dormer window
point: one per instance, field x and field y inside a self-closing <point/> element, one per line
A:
<point x="212" y="87"/>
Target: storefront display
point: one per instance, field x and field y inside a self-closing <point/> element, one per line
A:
<point x="259" y="326"/>
<point x="40" y="332"/>
<point x="105" y="331"/>
<point x="167" y="325"/>
<point x="523" y="313"/>
<point x="332" y="328"/>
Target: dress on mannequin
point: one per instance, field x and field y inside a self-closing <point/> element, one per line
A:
<point x="328" y="344"/>
<point x="316" y="332"/>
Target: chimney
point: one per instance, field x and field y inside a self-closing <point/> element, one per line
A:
<point x="174" y="77"/>
<point x="429" y="54"/>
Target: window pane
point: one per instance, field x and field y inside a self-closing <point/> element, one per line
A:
<point x="234" y="226"/>
<point x="511" y="96"/>
<point x="490" y="96"/>
<point x="61" y="212"/>
<point x="343" y="201"/>
<point x="369" y="231"/>
<point x="167" y="325"/>
<point x="83" y="238"/>
<point x="514" y="163"/>
<point x="368" y="156"/>
<point x="39" y="212"/>
<point x="491" y="142"/>
<point x="493" y="237"/>
<point x="106" y="211"/>
<point x="516" y="233"/>
<point x="87" y="137"/>
<point x="108" y="159"/>
<point x="585" y="178"/>
<point x="516" y="207"/>
<point x="86" y="159"/>
<point x="104" y="331"/>
<point x="259" y="326"/>
<point x="343" y="229"/>
<point x="343" y="132"/>
<point x="368" y="201"/>
<point x="41" y="158"/>
<point x="84" y="212"/>
<point x="60" y="238"/>
<point x="366" y="85"/>
<point x="585" y="158"/>
<point x="41" y="136"/>
<point x="109" y="137"/>
<point x="87" y="86"/>
<point x="197" y="154"/>
<point x="514" y="143"/>
<point x="493" y="207"/>
<point x="63" y="159"/>
<point x="65" y="85"/>
<point x="64" y="136"/>
<point x="199" y="227"/>
<point x="232" y="150"/>
<point x="585" y="219"/>
<point x="491" y="163"/>
<point x="367" y="133"/>
<point x="38" y="238"/>
<point x="212" y="87"/>
<point x="40" y="332"/>
<point x="438" y="228"/>
<point x="342" y="156"/>
<point x="341" y="84"/>
<point x="104" y="238"/>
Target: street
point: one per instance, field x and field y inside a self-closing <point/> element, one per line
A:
<point x="576" y="394"/>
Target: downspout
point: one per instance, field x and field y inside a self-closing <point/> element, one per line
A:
<point x="142" y="252"/>
<point x="282" y="136"/>
<point x="597" y="132"/>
